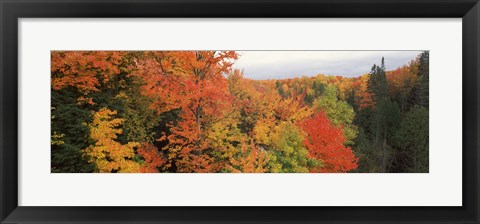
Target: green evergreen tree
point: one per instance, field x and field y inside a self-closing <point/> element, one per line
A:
<point x="378" y="87"/>
<point x="423" y="82"/>
<point x="412" y="139"/>
<point x="279" y="87"/>
<point x="69" y="133"/>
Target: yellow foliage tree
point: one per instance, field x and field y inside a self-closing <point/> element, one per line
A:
<point x="108" y="154"/>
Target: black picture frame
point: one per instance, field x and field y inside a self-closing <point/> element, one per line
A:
<point x="11" y="11"/>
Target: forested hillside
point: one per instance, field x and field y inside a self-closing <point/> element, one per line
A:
<point x="190" y="111"/>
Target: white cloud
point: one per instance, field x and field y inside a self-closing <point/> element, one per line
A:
<point x="288" y="64"/>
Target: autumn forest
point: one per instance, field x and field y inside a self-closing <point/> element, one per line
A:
<point x="195" y="112"/>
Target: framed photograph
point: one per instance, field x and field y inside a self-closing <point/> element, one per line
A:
<point x="239" y="111"/>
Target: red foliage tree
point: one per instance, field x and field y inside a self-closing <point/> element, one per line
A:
<point x="325" y="142"/>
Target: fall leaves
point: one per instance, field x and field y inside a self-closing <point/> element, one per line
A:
<point x="325" y="142"/>
<point x="201" y="116"/>
<point x="84" y="70"/>
<point x="110" y="155"/>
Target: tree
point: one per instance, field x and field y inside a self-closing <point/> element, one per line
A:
<point x="423" y="74"/>
<point x="84" y="70"/>
<point x="401" y="82"/>
<point x="378" y="87"/>
<point x="387" y="121"/>
<point x="367" y="157"/>
<point x="279" y="88"/>
<point x="377" y="82"/>
<point x="107" y="154"/>
<point x="363" y="95"/>
<point x="246" y="99"/>
<point x="325" y="142"/>
<point x="249" y="159"/>
<point x="69" y="134"/>
<point x="193" y="82"/>
<point x="74" y="76"/>
<point x="275" y="112"/>
<point x="412" y="139"/>
<point x="289" y="154"/>
<point x="339" y="112"/>
<point x="152" y="158"/>
<point x="140" y="121"/>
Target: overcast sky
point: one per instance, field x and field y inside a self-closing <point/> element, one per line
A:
<point x="289" y="64"/>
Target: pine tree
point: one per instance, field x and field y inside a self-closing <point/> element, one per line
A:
<point x="423" y="83"/>
<point x="279" y="87"/>
<point x="412" y="140"/>
<point x="378" y="87"/>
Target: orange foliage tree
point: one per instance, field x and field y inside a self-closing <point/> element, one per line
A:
<point x="84" y="70"/>
<point x="250" y="159"/>
<point x="401" y="82"/>
<point x="363" y="98"/>
<point x="152" y="158"/>
<point x="194" y="82"/>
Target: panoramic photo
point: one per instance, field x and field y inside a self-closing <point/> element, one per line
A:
<point x="239" y="111"/>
